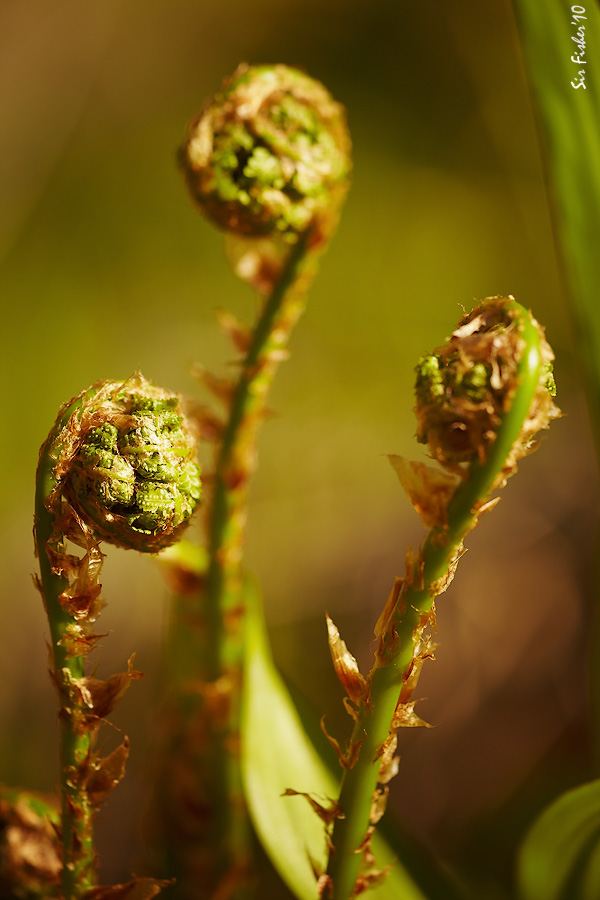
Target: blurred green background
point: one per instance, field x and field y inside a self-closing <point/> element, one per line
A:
<point x="106" y="268"/>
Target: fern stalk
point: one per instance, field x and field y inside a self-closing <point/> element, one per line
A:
<point x="118" y="465"/>
<point x="266" y="160"/>
<point x="455" y="393"/>
<point x="224" y="597"/>
<point x="74" y="748"/>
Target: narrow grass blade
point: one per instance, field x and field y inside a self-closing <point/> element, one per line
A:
<point x="561" y="47"/>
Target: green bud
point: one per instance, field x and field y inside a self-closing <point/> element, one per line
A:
<point x="126" y="464"/>
<point x="266" y="153"/>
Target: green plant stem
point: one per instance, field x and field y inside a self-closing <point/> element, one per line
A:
<point x="77" y="836"/>
<point x="224" y="595"/>
<point x="422" y="584"/>
<point x="213" y="647"/>
<point x="236" y="462"/>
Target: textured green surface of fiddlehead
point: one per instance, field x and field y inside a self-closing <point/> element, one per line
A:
<point x="128" y="464"/>
<point x="264" y="154"/>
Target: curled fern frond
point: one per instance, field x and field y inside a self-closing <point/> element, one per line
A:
<point x="125" y="461"/>
<point x="465" y="387"/>
<point x="481" y="398"/>
<point x="118" y="465"/>
<point x="265" y="154"/>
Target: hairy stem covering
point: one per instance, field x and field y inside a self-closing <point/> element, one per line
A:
<point x="480" y="399"/>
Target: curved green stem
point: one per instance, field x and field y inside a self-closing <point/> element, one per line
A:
<point x="78" y="874"/>
<point x="267" y="158"/>
<point x="235" y="466"/>
<point x="423" y="581"/>
<point x="213" y="650"/>
<point x="87" y="490"/>
<point x="236" y="461"/>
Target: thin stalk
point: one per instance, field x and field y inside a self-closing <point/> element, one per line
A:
<point x="421" y="585"/>
<point x="237" y="455"/>
<point x="565" y="96"/>
<point x="224" y="597"/>
<point x="208" y="627"/>
<point x="78" y="874"/>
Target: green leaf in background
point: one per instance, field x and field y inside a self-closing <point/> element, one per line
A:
<point x="566" y="95"/>
<point x="277" y="754"/>
<point x="560" y="857"/>
<point x="566" y="99"/>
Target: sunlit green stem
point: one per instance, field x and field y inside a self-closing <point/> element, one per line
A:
<point x="236" y="461"/>
<point x="421" y="586"/>
<point x="266" y="159"/>
<point x="214" y="650"/>
<point x="227" y="533"/>
<point x="118" y="465"/>
<point x="77" y="836"/>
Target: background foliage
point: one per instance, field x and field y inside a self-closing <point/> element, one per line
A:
<point x="106" y="268"/>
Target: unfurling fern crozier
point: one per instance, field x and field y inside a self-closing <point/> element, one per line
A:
<point x="119" y="465"/>
<point x="127" y="464"/>
<point x="481" y="398"/>
<point x="265" y="154"/>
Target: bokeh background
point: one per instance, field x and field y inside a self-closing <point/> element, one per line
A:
<point x="106" y="268"/>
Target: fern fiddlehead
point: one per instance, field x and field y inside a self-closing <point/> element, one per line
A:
<point x="481" y="399"/>
<point x="118" y="466"/>
<point x="267" y="160"/>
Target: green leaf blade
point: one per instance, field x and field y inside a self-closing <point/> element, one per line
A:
<point x="569" y="124"/>
<point x="277" y="754"/>
<point x="560" y="856"/>
<point x="275" y="757"/>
